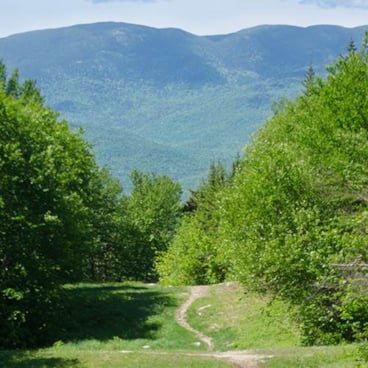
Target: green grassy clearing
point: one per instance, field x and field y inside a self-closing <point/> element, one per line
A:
<point x="101" y="321"/>
<point x="77" y="358"/>
<point x="132" y="325"/>
<point x="126" y="316"/>
<point x="317" y="357"/>
<point x="236" y="320"/>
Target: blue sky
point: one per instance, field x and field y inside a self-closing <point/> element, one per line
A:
<point x="201" y="17"/>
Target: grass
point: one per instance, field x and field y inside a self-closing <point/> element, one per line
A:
<point x="236" y="320"/>
<point x="124" y="316"/>
<point x="318" y="357"/>
<point x="132" y="325"/>
<point x="117" y="325"/>
<point x="70" y="358"/>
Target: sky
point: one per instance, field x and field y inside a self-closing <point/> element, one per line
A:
<point x="201" y="17"/>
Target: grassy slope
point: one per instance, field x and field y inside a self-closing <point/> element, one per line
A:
<point x="68" y="358"/>
<point x="236" y="320"/>
<point x="103" y="322"/>
<point x="319" y="357"/>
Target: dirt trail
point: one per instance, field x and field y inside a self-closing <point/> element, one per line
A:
<point x="195" y="293"/>
<point x="241" y="359"/>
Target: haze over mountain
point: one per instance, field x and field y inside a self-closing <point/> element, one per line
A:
<point x="165" y="100"/>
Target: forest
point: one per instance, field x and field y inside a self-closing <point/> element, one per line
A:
<point x="288" y="219"/>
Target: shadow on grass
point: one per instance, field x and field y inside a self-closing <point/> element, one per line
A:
<point x="15" y="359"/>
<point x="105" y="312"/>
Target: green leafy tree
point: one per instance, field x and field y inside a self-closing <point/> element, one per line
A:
<point x="151" y="213"/>
<point x="195" y="255"/>
<point x="298" y="203"/>
<point x="13" y="87"/>
<point x="2" y="75"/>
<point x="107" y="231"/>
<point x="30" y="92"/>
<point x="294" y="215"/>
<point x="45" y="222"/>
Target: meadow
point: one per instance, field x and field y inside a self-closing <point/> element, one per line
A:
<point x="133" y="325"/>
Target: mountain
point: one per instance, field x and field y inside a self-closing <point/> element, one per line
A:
<point x="165" y="100"/>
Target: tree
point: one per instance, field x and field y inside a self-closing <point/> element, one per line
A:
<point x="298" y="203"/>
<point x="13" y="86"/>
<point x="2" y="75"/>
<point x="45" y="188"/>
<point x="151" y="214"/>
<point x="295" y="212"/>
<point x="195" y="254"/>
<point x="107" y="230"/>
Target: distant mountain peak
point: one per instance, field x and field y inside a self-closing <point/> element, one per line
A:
<point x="165" y="99"/>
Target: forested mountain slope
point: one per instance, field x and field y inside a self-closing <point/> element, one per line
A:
<point x="165" y="100"/>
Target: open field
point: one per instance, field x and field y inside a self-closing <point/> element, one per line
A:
<point x="133" y="325"/>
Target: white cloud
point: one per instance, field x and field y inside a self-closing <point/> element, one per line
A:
<point x="122" y="1"/>
<point x="359" y="4"/>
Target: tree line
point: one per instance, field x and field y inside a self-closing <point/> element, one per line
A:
<point x="63" y="218"/>
<point x="291" y="219"/>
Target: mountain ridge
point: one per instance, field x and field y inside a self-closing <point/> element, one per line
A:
<point x="190" y="99"/>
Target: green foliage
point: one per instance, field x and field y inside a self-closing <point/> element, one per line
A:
<point x="297" y="206"/>
<point x="13" y="86"/>
<point x="295" y="212"/>
<point x="195" y="255"/>
<point x="298" y="203"/>
<point x="363" y="352"/>
<point x="191" y="258"/>
<point x="106" y="228"/>
<point x="149" y="216"/>
<point x="2" y="75"/>
<point x="64" y="219"/>
<point x="45" y="176"/>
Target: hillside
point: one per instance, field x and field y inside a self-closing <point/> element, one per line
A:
<point x="165" y="100"/>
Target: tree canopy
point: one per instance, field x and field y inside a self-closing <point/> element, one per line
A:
<point x="63" y="218"/>
<point x="45" y="176"/>
<point x="296" y="208"/>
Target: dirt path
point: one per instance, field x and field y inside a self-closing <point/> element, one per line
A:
<point x="196" y="292"/>
<point x="241" y="359"/>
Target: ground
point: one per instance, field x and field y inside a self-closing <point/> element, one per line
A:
<point x="243" y="359"/>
